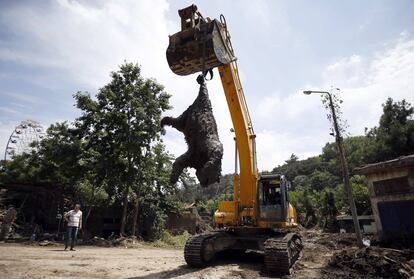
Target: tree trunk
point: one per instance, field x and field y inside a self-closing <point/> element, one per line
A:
<point x="85" y="221"/>
<point x="89" y="209"/>
<point x="128" y="184"/>
<point x="124" y="211"/>
<point x="136" y="213"/>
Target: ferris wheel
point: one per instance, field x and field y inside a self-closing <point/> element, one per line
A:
<point x="22" y="136"/>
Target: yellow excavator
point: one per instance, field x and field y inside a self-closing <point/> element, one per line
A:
<point x="259" y="217"/>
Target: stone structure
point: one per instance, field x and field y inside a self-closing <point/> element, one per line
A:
<point x="391" y="189"/>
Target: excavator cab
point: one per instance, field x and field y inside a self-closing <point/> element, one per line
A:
<point x="201" y="45"/>
<point x="272" y="198"/>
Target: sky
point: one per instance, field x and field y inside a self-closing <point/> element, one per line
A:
<point x="49" y="50"/>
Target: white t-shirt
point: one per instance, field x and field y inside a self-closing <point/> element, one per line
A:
<point x="74" y="218"/>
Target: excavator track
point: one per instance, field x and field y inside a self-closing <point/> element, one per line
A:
<point x="196" y="252"/>
<point x="280" y="254"/>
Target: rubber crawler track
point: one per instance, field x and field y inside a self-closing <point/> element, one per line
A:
<point x="193" y="250"/>
<point x="281" y="253"/>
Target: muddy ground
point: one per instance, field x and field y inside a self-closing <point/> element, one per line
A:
<point x="28" y="261"/>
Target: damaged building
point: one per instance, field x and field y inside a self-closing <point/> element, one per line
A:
<point x="40" y="208"/>
<point x="391" y="189"/>
<point x="33" y="213"/>
<point x="189" y="220"/>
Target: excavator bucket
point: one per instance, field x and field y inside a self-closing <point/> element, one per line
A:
<point x="202" y="44"/>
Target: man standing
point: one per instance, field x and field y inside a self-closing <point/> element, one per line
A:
<point x="7" y="222"/>
<point x="74" y="219"/>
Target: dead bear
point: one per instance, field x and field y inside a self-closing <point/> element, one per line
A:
<point x="199" y="127"/>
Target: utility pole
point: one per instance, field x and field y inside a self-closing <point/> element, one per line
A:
<point x="344" y="165"/>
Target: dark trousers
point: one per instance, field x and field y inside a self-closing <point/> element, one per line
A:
<point x="4" y="230"/>
<point x="71" y="236"/>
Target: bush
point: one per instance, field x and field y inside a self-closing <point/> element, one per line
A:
<point x="155" y="220"/>
<point x="168" y="240"/>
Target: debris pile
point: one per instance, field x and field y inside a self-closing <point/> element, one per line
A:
<point x="127" y="242"/>
<point x="199" y="127"/>
<point x="374" y="262"/>
<point x="98" y="241"/>
<point x="336" y="241"/>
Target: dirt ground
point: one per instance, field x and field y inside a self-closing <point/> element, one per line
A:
<point x="26" y="261"/>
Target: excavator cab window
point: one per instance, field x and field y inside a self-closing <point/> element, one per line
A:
<point x="271" y="198"/>
<point x="271" y="193"/>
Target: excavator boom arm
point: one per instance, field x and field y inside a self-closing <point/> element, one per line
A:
<point x="244" y="135"/>
<point x="203" y="44"/>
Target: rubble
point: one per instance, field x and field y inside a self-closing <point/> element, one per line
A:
<point x="98" y="241"/>
<point x="127" y="242"/>
<point x="337" y="241"/>
<point x="205" y="150"/>
<point x="15" y="237"/>
<point x="374" y="262"/>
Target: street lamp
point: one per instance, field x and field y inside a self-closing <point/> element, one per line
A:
<point x="344" y="164"/>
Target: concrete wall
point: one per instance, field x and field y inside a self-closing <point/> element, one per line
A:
<point x="186" y="221"/>
<point x="103" y="222"/>
<point x="366" y="222"/>
<point x="391" y="198"/>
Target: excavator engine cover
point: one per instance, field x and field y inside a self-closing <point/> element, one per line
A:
<point x="199" y="46"/>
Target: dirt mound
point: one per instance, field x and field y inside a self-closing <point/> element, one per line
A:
<point x="374" y="262"/>
<point x="199" y="127"/>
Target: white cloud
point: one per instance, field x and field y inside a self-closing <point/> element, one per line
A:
<point x="21" y="97"/>
<point x="275" y="147"/>
<point x="8" y="110"/>
<point x="87" y="42"/>
<point x="350" y="69"/>
<point x="345" y="62"/>
<point x="366" y="82"/>
<point x="389" y="74"/>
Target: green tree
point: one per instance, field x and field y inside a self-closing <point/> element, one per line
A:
<point x="19" y="169"/>
<point x="121" y="124"/>
<point x="358" y="150"/>
<point x="54" y="160"/>
<point x="361" y="196"/>
<point x="394" y="136"/>
<point x="297" y="199"/>
<point x="328" y="212"/>
<point x="322" y="179"/>
<point x="63" y="159"/>
<point x="154" y="189"/>
<point x="57" y="156"/>
<point x="294" y="167"/>
<point x="310" y="219"/>
<point x="301" y="182"/>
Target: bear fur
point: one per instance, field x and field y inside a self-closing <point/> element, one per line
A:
<point x="199" y="127"/>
